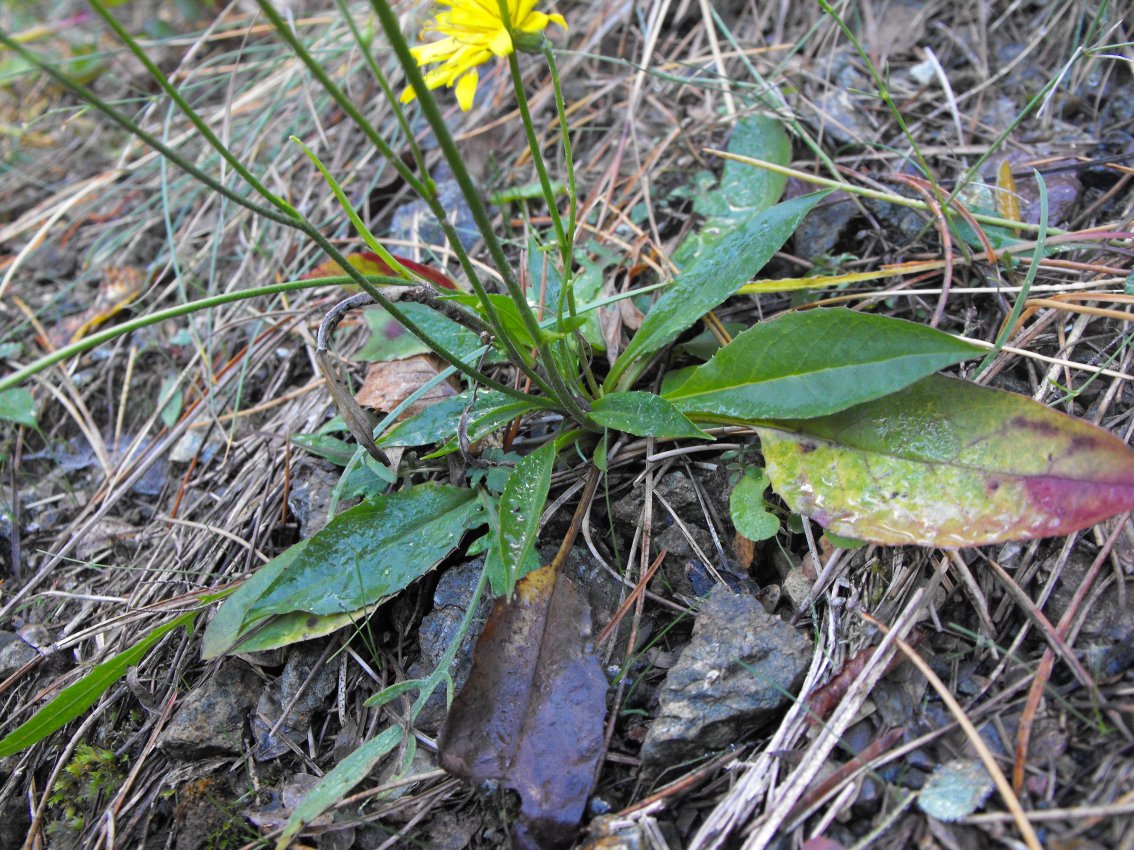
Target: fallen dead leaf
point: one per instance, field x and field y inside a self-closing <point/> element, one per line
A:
<point x="531" y="712"/>
<point x="389" y="384"/>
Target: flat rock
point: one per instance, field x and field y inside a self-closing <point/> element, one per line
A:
<point x="302" y="688"/>
<point x="210" y="720"/>
<point x="439" y="627"/>
<point x="15" y="654"/>
<point x="741" y="667"/>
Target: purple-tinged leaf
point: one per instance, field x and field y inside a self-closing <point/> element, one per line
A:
<point x="948" y="463"/>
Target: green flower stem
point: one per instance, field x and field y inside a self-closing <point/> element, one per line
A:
<point x="341" y="100"/>
<point x="559" y="389"/>
<point x="287" y="214"/>
<point x="424" y="189"/>
<point x="202" y="128"/>
<point x="367" y="282"/>
<point x="87" y="96"/>
<point x="568" y="157"/>
<point x="411" y="326"/>
<point x="359" y="225"/>
<point x="888" y="99"/>
<point x="97" y="339"/>
<point x="537" y="160"/>
<point x="387" y="90"/>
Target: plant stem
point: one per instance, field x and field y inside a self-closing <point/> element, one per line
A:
<point x="537" y="160"/>
<point x="425" y="189"/>
<point x="196" y="120"/>
<point x="557" y="385"/>
<point x="411" y="326"/>
<point x="568" y="156"/>
<point x="97" y="339"/>
<point x="87" y="96"/>
<point x="387" y="90"/>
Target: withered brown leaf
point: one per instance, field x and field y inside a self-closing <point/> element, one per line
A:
<point x="531" y="713"/>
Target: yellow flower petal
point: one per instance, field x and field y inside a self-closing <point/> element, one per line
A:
<point x="501" y="44"/>
<point x="472" y="32"/>
<point x="466" y="89"/>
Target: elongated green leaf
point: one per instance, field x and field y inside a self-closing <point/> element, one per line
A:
<point x="525" y="493"/>
<point x="438" y="423"/>
<point x="17" y="405"/>
<point x="644" y="415"/>
<point x="338" y="782"/>
<point x="338" y="452"/>
<point x="815" y="363"/>
<point x="370" y="552"/>
<point x="224" y="630"/>
<point x="714" y="276"/>
<point x="77" y="698"/>
<point x="743" y="190"/>
<point x="497" y="573"/>
<point x="949" y="463"/>
<point x="389" y="340"/>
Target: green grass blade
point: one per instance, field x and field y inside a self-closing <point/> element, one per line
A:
<point x="77" y="698"/>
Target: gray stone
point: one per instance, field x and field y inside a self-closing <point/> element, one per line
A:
<point x="210" y="720"/>
<point x="15" y="654"/>
<point x="310" y="496"/>
<point x="604" y="594"/>
<point x="679" y="494"/>
<point x="439" y="627"/>
<point x="302" y="687"/>
<point x="741" y="666"/>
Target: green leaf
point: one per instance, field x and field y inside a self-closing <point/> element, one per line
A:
<point x="744" y="190"/>
<point x="705" y="344"/>
<point x="366" y="480"/>
<point x="223" y="634"/>
<point x="949" y="463"/>
<point x="171" y="410"/>
<point x="526" y="192"/>
<point x="498" y="574"/>
<point x="714" y="276"/>
<point x="77" y="698"/>
<point x="590" y="279"/>
<point x="674" y="378"/>
<point x="815" y="363"/>
<point x="338" y="782"/>
<point x="370" y="552"/>
<point x="955" y="790"/>
<point x="840" y="542"/>
<point x="389" y="340"/>
<point x="438" y="423"/>
<point x="17" y="405"/>
<point x="287" y="629"/>
<point x="506" y="310"/>
<point x="644" y="415"/>
<point x="750" y="514"/>
<point x="525" y="493"/>
<point x="338" y="452"/>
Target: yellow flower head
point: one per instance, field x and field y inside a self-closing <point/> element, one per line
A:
<point x="472" y="33"/>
